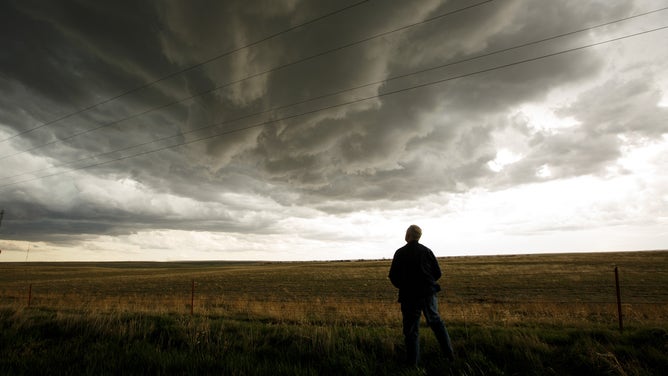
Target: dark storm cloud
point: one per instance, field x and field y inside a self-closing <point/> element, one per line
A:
<point x="376" y="144"/>
<point x="386" y="142"/>
<point x="622" y="106"/>
<point x="75" y="53"/>
<point x="606" y="114"/>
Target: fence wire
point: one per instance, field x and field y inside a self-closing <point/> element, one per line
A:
<point x="332" y="292"/>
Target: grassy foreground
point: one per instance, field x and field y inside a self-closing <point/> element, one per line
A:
<point x="45" y="342"/>
<point x="507" y="315"/>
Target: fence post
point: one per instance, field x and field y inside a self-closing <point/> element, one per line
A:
<point x="29" y="294"/>
<point x="192" y="298"/>
<point x="619" y="300"/>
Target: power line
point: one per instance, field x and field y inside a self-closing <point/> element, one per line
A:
<point x="238" y="81"/>
<point x="385" y="81"/>
<point x="348" y="103"/>
<point x="184" y="70"/>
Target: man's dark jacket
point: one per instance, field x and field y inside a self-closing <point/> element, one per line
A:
<point x="414" y="272"/>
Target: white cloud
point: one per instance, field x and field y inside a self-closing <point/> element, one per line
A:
<point x="504" y="157"/>
<point x="544" y="171"/>
<point x="663" y="102"/>
<point x="541" y="118"/>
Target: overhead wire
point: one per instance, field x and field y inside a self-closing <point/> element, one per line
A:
<point x="248" y="77"/>
<point x="184" y="70"/>
<point x="347" y="103"/>
<point x="319" y="97"/>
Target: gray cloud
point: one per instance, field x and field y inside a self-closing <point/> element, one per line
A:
<point x="395" y="146"/>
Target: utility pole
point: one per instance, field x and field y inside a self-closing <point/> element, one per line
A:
<point x="2" y="214"/>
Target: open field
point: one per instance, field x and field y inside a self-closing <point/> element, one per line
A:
<point x="554" y="289"/>
<point x="529" y="314"/>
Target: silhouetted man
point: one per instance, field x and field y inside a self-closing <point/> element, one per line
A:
<point x="414" y="272"/>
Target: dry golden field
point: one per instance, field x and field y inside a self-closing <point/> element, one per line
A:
<point x="558" y="289"/>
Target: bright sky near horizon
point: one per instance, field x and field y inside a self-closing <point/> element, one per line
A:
<point x="316" y="130"/>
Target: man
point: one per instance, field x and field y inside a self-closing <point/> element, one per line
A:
<point x="414" y="272"/>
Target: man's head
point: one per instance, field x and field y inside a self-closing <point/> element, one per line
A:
<point x="413" y="233"/>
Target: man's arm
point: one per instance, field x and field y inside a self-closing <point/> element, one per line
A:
<point x="396" y="274"/>
<point x="435" y="268"/>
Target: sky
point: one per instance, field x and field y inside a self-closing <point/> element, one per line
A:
<point x="320" y="130"/>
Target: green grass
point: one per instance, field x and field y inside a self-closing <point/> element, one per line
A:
<point x="49" y="342"/>
<point x="507" y="315"/>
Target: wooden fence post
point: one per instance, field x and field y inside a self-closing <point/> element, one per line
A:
<point x="192" y="298"/>
<point x="619" y="300"/>
<point x="29" y="294"/>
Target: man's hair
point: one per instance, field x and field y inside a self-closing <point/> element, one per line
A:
<point x="414" y="231"/>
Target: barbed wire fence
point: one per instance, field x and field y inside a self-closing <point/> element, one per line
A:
<point x="610" y="297"/>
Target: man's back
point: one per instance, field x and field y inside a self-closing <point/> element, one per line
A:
<point x="414" y="271"/>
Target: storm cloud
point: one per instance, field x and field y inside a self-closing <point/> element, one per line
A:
<point x="243" y="117"/>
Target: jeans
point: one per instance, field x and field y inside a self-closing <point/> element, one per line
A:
<point x="411" y="312"/>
